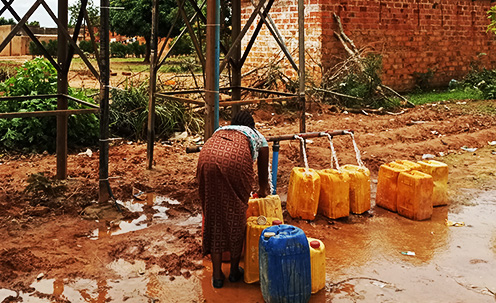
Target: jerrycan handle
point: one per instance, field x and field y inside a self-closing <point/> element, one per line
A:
<point x="357" y="151"/>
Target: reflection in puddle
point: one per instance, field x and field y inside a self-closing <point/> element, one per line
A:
<point x="136" y="205"/>
<point x="169" y="201"/>
<point x="191" y="221"/>
<point x="121" y="228"/>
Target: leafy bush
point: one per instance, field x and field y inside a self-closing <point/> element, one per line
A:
<point x="87" y="46"/>
<point x="37" y="77"/>
<point x="118" y="50"/>
<point x="183" y="46"/>
<point x="362" y="83"/>
<point x="483" y="80"/>
<point x="136" y="49"/>
<point x="51" y="47"/>
<point x="129" y="115"/>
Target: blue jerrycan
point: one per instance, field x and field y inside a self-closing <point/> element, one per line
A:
<point x="284" y="263"/>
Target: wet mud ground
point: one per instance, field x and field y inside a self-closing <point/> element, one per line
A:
<point x="61" y="246"/>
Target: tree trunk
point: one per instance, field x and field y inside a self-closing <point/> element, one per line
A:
<point x="147" y="51"/>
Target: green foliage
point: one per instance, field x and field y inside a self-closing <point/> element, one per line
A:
<point x="481" y="79"/>
<point x="183" y="46"/>
<point x="362" y="83"/>
<point x="93" y="13"/>
<point x="136" y="49"/>
<point x="34" y="23"/>
<point x="449" y="95"/>
<point x="491" y="15"/>
<point x="118" y="50"/>
<point x="51" y="47"/>
<point x="87" y="46"/>
<point x="129" y="115"/>
<point x="38" y="77"/>
<point x="423" y="80"/>
<point x="136" y="17"/>
<point x="5" y="21"/>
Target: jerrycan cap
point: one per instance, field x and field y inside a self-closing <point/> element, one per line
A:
<point x="276" y="222"/>
<point x="269" y="234"/>
<point x="315" y="244"/>
<point x="261" y="220"/>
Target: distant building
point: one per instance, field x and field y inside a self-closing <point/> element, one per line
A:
<point x="19" y="45"/>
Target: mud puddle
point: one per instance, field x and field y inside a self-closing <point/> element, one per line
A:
<point x="365" y="263"/>
<point x="159" y="207"/>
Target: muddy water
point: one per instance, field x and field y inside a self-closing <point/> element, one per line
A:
<point x="367" y="261"/>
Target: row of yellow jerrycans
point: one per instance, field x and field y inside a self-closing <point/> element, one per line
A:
<point x="333" y="193"/>
<point x="412" y="188"/>
<point x="254" y="227"/>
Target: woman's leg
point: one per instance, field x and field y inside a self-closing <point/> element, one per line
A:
<point x="217" y="266"/>
<point x="235" y="266"/>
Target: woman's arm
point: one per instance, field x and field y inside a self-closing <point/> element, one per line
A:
<point x="263" y="171"/>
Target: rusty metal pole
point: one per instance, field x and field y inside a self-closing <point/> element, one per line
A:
<point x="104" y="62"/>
<point x="212" y="68"/>
<point x="236" y="67"/>
<point x="301" y="63"/>
<point x="153" y="86"/>
<point x="301" y="69"/>
<point x="62" y="88"/>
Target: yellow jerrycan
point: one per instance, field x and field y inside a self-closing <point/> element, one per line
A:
<point x="359" y="182"/>
<point x="439" y="172"/>
<point x="303" y="193"/>
<point x="317" y="264"/>
<point x="387" y="184"/>
<point x="414" y="197"/>
<point x="334" y="200"/>
<point x="359" y="187"/>
<point x="269" y="206"/>
<point x="410" y="164"/>
<point x="254" y="227"/>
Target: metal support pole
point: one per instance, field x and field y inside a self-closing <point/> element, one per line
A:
<point x="301" y="68"/>
<point x="275" y="163"/>
<point x="236" y="67"/>
<point x="62" y="88"/>
<point x="104" y="185"/>
<point x="212" y="68"/>
<point x="153" y="86"/>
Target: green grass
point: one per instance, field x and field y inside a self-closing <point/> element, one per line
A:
<point x="177" y="64"/>
<point x="436" y="96"/>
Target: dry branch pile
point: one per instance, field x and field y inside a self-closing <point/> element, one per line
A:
<point x="355" y="83"/>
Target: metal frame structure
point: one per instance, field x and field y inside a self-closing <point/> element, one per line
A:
<point x="66" y="47"/>
<point x="213" y="67"/>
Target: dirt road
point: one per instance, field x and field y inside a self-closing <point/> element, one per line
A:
<point x="58" y="245"/>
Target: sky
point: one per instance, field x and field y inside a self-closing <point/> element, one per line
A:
<point x="22" y="6"/>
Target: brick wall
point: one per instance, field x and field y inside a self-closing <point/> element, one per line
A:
<point x="445" y="36"/>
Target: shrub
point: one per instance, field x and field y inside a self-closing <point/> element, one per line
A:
<point x="37" y="77"/>
<point x="51" y="48"/>
<point x="483" y="80"/>
<point x="118" y="50"/>
<point x="87" y="46"/>
<point x="183" y="46"/>
<point x="129" y="114"/>
<point x="136" y="49"/>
